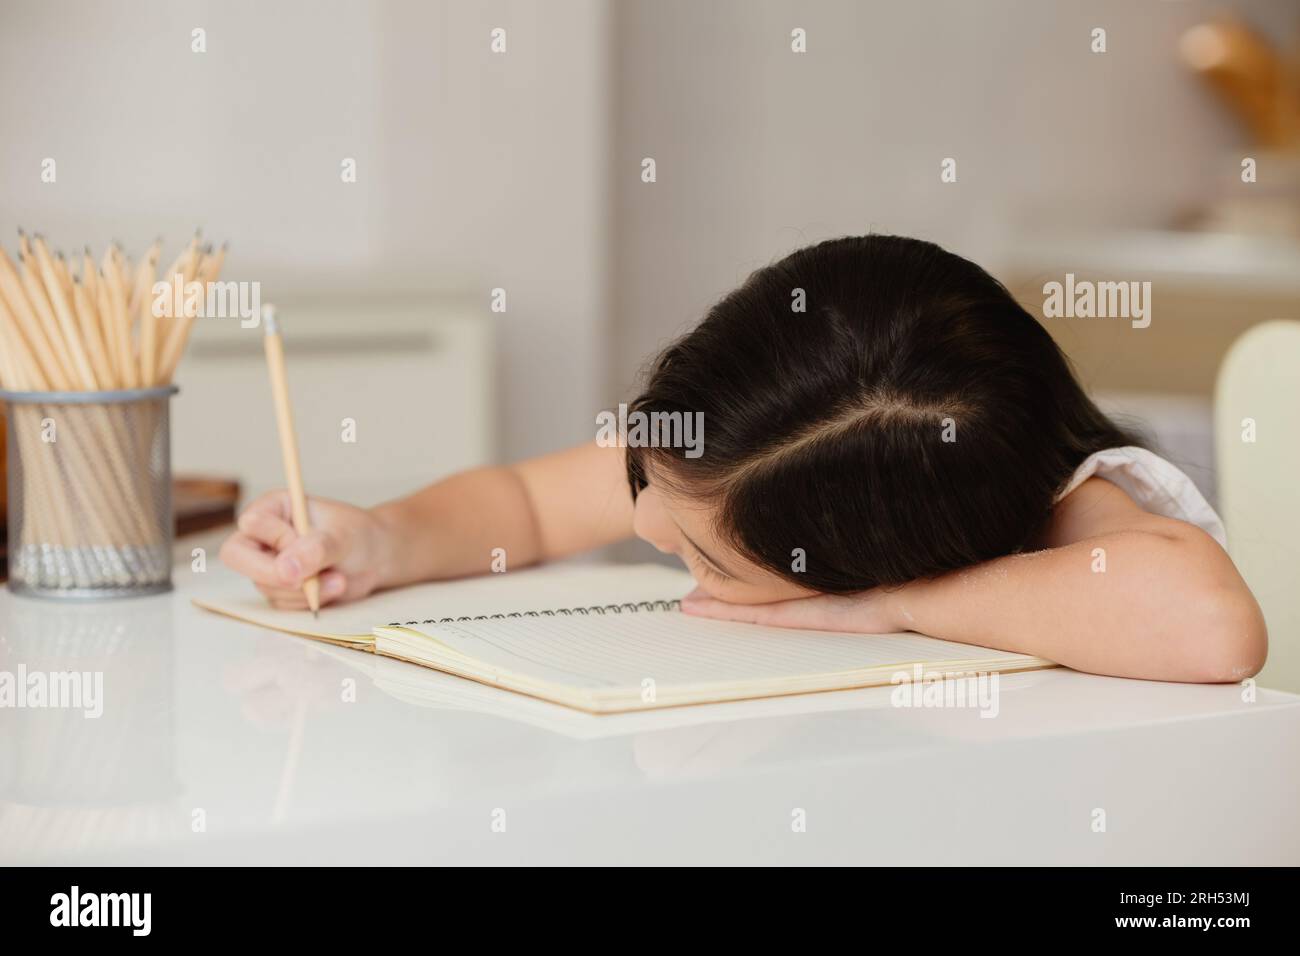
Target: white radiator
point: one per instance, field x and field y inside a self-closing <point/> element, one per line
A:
<point x="412" y="378"/>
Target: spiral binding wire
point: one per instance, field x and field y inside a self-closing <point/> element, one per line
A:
<point x="631" y="607"/>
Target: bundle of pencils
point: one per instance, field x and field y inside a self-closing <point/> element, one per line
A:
<point x="98" y="330"/>
<point x="88" y="498"/>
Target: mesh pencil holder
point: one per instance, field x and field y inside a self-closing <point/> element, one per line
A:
<point x="90" y="508"/>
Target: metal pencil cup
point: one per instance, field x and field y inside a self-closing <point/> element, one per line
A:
<point x="90" y="492"/>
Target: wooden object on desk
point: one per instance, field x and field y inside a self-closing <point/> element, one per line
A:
<point x="203" y="503"/>
<point x="4" y="467"/>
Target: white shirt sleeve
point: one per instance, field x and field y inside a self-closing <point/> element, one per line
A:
<point x="1156" y="485"/>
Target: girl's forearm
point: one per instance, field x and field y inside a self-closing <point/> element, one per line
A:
<point x="541" y="509"/>
<point x="1127" y="604"/>
<point x="451" y="529"/>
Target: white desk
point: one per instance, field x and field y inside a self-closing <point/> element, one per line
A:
<point x="250" y="727"/>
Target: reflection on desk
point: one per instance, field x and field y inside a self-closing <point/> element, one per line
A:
<point x="220" y="742"/>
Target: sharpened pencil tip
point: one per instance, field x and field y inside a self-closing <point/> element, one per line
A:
<point x="315" y="614"/>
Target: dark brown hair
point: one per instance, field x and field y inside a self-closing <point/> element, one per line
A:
<point x="912" y="421"/>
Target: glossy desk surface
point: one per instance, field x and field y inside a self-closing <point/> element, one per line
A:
<point x="223" y="743"/>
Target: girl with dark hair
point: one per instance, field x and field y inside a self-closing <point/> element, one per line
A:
<point x="890" y="442"/>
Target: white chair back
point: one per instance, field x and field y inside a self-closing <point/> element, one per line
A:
<point x="1257" y="444"/>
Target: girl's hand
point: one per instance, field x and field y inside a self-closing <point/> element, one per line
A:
<point x="867" y="612"/>
<point x="348" y="548"/>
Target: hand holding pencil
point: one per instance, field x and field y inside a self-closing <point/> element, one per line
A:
<point x="347" y="549"/>
<point x="276" y="545"/>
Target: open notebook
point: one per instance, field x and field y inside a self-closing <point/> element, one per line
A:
<point x="606" y="639"/>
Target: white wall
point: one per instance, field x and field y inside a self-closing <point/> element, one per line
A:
<point x="475" y="170"/>
<point x="522" y="170"/>
<point x="761" y="150"/>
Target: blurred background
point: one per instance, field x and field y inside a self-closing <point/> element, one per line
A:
<point x="521" y="171"/>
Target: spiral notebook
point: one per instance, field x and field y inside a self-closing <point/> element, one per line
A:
<point x="608" y="639"/>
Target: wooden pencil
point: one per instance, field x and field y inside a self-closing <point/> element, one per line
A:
<point x="209" y="270"/>
<point x="95" y="348"/>
<point x="119" y="328"/>
<point x="90" y="281"/>
<point x="142" y="280"/>
<point x="11" y="288"/>
<point x="67" y="322"/>
<point x="274" y="347"/>
<point x="34" y="290"/>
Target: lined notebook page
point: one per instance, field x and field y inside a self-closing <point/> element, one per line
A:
<point x="621" y="650"/>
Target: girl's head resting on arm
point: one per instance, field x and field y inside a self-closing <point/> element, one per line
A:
<point x="912" y="420"/>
